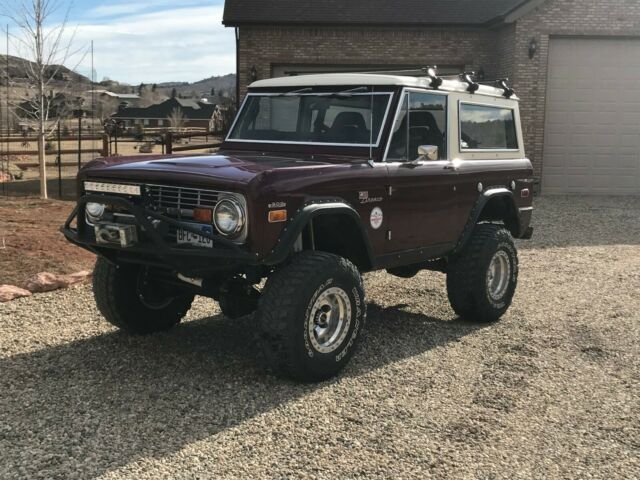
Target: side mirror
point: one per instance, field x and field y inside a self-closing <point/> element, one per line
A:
<point x="428" y="152"/>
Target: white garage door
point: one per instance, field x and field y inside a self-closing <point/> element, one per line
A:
<point x="592" y="128"/>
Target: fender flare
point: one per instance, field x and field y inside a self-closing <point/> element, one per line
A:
<point x="476" y="212"/>
<point x="302" y="218"/>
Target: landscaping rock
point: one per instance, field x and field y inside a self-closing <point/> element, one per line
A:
<point x="11" y="292"/>
<point x="15" y="172"/>
<point x="46" y="281"/>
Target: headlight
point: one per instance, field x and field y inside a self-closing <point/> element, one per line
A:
<point x="94" y="212"/>
<point x="228" y="217"/>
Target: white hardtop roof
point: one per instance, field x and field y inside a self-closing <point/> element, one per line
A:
<point x="371" y="79"/>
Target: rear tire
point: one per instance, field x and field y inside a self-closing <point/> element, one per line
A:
<point x="311" y="315"/>
<point x="128" y="298"/>
<point x="482" y="280"/>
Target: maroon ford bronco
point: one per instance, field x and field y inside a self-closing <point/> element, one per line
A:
<point x="321" y="178"/>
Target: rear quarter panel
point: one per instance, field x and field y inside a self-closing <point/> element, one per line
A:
<point x="483" y="169"/>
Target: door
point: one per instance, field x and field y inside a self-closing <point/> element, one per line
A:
<point x="423" y="191"/>
<point x="592" y="127"/>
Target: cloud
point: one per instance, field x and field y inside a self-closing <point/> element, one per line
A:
<point x="139" y="6"/>
<point x="186" y="43"/>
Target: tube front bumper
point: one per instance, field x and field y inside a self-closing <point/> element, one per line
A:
<point x="152" y="247"/>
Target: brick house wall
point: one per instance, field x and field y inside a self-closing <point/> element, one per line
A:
<point x="609" y="18"/>
<point x="502" y="51"/>
<point x="265" y="46"/>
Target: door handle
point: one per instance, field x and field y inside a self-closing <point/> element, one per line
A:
<point x="451" y="166"/>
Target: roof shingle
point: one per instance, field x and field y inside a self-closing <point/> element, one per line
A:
<point x="367" y="12"/>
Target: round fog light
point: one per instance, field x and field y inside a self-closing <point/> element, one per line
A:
<point x="95" y="211"/>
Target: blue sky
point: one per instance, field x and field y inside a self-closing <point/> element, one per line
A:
<point x="151" y="40"/>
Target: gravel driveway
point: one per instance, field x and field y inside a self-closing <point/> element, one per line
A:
<point x="552" y="391"/>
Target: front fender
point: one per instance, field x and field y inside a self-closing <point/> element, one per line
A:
<point x="303" y="217"/>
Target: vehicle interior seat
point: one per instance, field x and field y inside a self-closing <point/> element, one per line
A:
<point x="348" y="127"/>
<point x="423" y="130"/>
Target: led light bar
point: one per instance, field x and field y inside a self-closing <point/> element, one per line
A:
<point x="113" y="188"/>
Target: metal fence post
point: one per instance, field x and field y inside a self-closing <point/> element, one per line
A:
<point x="105" y="145"/>
<point x="59" y="161"/>
<point x="169" y="142"/>
<point x="79" y="138"/>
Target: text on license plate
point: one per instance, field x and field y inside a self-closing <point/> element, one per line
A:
<point x="187" y="238"/>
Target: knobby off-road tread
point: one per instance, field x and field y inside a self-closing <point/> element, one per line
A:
<point x="280" y="302"/>
<point x="466" y="276"/>
<point x="116" y="296"/>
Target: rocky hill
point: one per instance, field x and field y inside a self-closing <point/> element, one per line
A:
<point x="224" y="83"/>
<point x="19" y="68"/>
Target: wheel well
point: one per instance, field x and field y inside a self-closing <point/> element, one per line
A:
<point x="338" y="234"/>
<point x="501" y="208"/>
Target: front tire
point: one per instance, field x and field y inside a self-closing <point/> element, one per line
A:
<point x="311" y="315"/>
<point x="130" y="299"/>
<point x="482" y="280"/>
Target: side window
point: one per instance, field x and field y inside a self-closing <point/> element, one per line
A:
<point x="487" y="128"/>
<point x="400" y="135"/>
<point x="422" y="121"/>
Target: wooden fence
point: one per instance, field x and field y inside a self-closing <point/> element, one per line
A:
<point x="170" y="140"/>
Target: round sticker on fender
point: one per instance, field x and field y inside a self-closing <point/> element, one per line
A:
<point x="376" y="218"/>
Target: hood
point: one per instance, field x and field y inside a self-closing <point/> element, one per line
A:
<point x="221" y="169"/>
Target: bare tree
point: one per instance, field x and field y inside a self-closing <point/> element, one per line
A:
<point x="176" y="119"/>
<point x="45" y="50"/>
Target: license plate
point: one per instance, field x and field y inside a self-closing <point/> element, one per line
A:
<point x="187" y="238"/>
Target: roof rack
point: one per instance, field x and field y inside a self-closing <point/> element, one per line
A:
<point x="508" y="91"/>
<point x="470" y="78"/>
<point x="503" y="84"/>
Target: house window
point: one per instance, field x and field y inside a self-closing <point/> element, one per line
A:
<point x="422" y="120"/>
<point x="484" y="127"/>
<point x="145" y="122"/>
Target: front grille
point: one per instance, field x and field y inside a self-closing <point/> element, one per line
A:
<point x="177" y="203"/>
<point x="179" y="199"/>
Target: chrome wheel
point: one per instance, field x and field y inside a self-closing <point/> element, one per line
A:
<point x="498" y="275"/>
<point x="329" y="320"/>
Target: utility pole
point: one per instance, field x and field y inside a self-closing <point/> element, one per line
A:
<point x="59" y="161"/>
<point x="8" y="120"/>
<point x="80" y="102"/>
<point x="93" y="96"/>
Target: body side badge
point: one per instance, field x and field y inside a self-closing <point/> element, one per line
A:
<point x="376" y="218"/>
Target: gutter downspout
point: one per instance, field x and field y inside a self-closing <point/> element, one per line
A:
<point x="237" y="31"/>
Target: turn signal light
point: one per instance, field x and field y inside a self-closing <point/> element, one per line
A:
<point x="203" y="215"/>
<point x="276" y="216"/>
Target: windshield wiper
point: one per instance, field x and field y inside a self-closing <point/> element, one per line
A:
<point x="296" y="92"/>
<point x="342" y="94"/>
<point x="348" y="93"/>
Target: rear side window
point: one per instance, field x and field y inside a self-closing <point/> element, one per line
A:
<point x="487" y="128"/>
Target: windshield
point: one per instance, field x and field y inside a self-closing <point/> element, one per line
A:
<point x="326" y="119"/>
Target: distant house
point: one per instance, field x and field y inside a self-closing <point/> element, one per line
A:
<point x="58" y="105"/>
<point x="195" y="114"/>
<point x="123" y="97"/>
